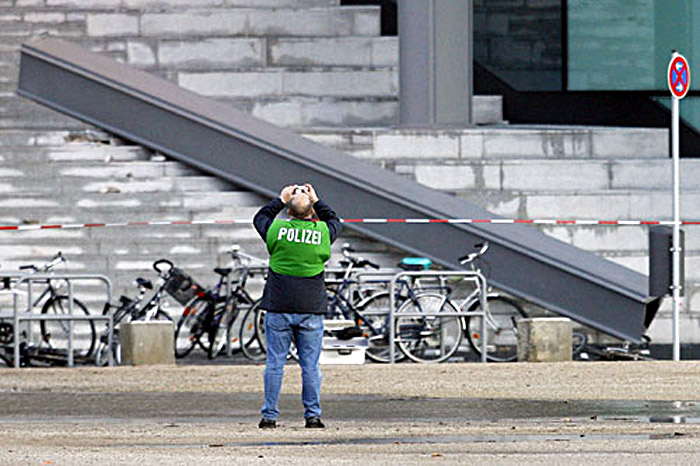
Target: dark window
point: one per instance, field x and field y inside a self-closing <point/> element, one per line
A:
<point x="389" y="13"/>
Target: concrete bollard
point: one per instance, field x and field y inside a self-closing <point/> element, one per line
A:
<point x="147" y="343"/>
<point x="544" y="339"/>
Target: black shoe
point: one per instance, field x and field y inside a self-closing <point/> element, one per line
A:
<point x="267" y="424"/>
<point x="314" y="423"/>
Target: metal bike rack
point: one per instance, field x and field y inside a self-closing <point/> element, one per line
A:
<point x="22" y="278"/>
<point x="468" y="275"/>
<point x="358" y="277"/>
<point x="389" y="274"/>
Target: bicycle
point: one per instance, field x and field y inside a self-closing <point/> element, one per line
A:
<point x="367" y="306"/>
<point x="54" y="334"/>
<point x="502" y="315"/>
<point x="129" y="310"/>
<point x="436" y="339"/>
<point x="369" y="311"/>
<point x="208" y="318"/>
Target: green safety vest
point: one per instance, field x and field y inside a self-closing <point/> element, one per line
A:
<point x="299" y="248"/>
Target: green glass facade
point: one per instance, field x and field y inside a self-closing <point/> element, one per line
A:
<point x="689" y="108"/>
<point x="626" y="44"/>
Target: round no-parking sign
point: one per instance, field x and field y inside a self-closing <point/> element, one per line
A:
<point x="678" y="76"/>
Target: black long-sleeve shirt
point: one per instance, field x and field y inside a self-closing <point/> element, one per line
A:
<point x="284" y="293"/>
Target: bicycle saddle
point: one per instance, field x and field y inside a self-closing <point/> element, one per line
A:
<point x="223" y="271"/>
<point x="415" y="263"/>
<point x="125" y="300"/>
<point x="143" y="283"/>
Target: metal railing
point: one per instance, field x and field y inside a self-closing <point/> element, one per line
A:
<point x="27" y="315"/>
<point x="467" y="275"/>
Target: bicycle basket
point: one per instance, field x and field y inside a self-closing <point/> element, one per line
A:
<point x="181" y="286"/>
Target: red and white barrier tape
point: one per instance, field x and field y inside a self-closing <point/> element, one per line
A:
<point x="510" y="221"/>
<point x="499" y="221"/>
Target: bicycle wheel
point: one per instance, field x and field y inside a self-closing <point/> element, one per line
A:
<point x="221" y="327"/>
<point x="335" y="309"/>
<point x="501" y="329"/>
<point x="102" y="352"/>
<point x="55" y="333"/>
<point x="429" y="339"/>
<point x="190" y="327"/>
<point x="251" y="346"/>
<point x="6" y="356"/>
<point x="375" y="327"/>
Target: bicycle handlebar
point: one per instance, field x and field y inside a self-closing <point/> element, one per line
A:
<point x="356" y="261"/>
<point x="156" y="266"/>
<point x="471" y="257"/>
<point x="365" y="262"/>
<point x="237" y="254"/>
<point x="53" y="262"/>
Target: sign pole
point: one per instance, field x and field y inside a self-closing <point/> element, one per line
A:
<point x="678" y="83"/>
<point x="676" y="287"/>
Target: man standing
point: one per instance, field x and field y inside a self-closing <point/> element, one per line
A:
<point x="295" y="294"/>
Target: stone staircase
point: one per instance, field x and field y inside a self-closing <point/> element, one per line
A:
<point x="77" y="177"/>
<point x="294" y="63"/>
<point x="48" y="182"/>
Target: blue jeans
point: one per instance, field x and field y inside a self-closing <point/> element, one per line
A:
<point x="307" y="332"/>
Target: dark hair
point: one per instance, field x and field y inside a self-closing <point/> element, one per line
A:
<point x="300" y="206"/>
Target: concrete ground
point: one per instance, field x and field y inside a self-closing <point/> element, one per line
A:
<point x="575" y="413"/>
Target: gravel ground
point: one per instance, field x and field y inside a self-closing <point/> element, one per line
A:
<point x="610" y="413"/>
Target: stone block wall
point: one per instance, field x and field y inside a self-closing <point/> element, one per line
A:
<point x="294" y="62"/>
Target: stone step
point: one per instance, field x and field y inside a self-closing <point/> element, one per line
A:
<point x="167" y="234"/>
<point x="75" y="6"/>
<point x="619" y="240"/>
<point x="28" y="139"/>
<point x="310" y="17"/>
<point x="58" y="215"/>
<point x="9" y="59"/>
<point x="160" y="5"/>
<point x="9" y="72"/>
<point x="136" y="201"/>
<point x="72" y="187"/>
<point x="331" y="21"/>
<point x="194" y="21"/>
<point x="91" y="152"/>
<point x="63" y="24"/>
<point x="334" y="51"/>
<point x="319" y="112"/>
<point x="537" y="175"/>
<point x="244" y="53"/>
<point x="122" y="171"/>
<point x="285" y="83"/>
<point x="76" y="153"/>
<point x="604" y="205"/>
<point x="506" y="142"/>
<point x="16" y="113"/>
<point x="125" y="246"/>
<point x="17" y="215"/>
<point x="313" y="113"/>
<point x="50" y="161"/>
<point x="7" y="89"/>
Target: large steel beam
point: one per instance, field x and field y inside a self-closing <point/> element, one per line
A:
<point x="257" y="155"/>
